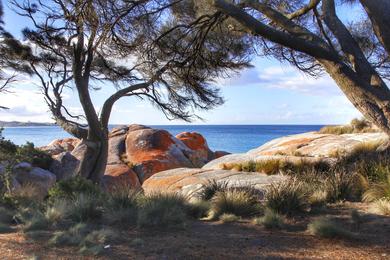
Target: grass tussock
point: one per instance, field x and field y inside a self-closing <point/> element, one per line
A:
<point x="380" y="207"/>
<point x="162" y="210"/>
<point x="276" y="166"/>
<point x="378" y="191"/>
<point x="270" y="220"/>
<point x="355" y="126"/>
<point x="210" y="188"/>
<point x="327" y="228"/>
<point x="228" y="218"/>
<point x="287" y="197"/>
<point x="198" y="209"/>
<point x="240" y="202"/>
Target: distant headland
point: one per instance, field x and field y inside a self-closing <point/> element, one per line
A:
<point x="19" y="124"/>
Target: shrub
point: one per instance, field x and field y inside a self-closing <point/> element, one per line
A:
<point x="38" y="158"/>
<point x="209" y="189"/>
<point x="270" y="220"/>
<point x="94" y="242"/>
<point x="57" y="212"/>
<point x="381" y="207"/>
<point x="228" y="218"/>
<point x="198" y="209"/>
<point x="26" y="195"/>
<point x="287" y="197"/>
<point x="327" y="228"/>
<point x="123" y="197"/>
<point x="85" y="207"/>
<point x="72" y="188"/>
<point x="378" y="191"/>
<point x="36" y="222"/>
<point x="355" y="126"/>
<point x="71" y="237"/>
<point x="162" y="210"/>
<point x="6" y="216"/>
<point x="240" y="202"/>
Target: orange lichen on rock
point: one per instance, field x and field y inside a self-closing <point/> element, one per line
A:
<point x="119" y="175"/>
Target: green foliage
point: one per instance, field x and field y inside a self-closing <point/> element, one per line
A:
<point x="36" y="222"/>
<point x="240" y="202"/>
<point x="71" y="237"/>
<point x="94" y="242"/>
<point x="287" y="197"/>
<point x="209" y="189"/>
<point x="228" y="218"/>
<point x="162" y="210"/>
<point x="270" y="220"/>
<point x="327" y="228"/>
<point x="71" y="188"/>
<point x="342" y="185"/>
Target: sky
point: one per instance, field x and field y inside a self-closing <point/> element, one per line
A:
<point x="268" y="93"/>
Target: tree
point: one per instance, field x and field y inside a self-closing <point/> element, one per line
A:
<point x="85" y="45"/>
<point x="311" y="36"/>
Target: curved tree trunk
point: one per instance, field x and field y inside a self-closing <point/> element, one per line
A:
<point x="373" y="103"/>
<point x="94" y="160"/>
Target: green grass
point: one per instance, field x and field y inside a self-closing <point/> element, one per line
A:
<point x="270" y="220"/>
<point x="85" y="207"/>
<point x="240" y="202"/>
<point x="327" y="228"/>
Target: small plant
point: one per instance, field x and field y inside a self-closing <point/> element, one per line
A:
<point x="36" y="222"/>
<point x="94" y="242"/>
<point x="85" y="207"/>
<point x="287" y="197"/>
<point x="341" y="185"/>
<point x="240" y="202"/>
<point x="57" y="212"/>
<point x="209" y="189"/>
<point x="270" y="220"/>
<point x="378" y="191"/>
<point x="162" y="210"/>
<point x="228" y="218"/>
<point x="381" y="207"/>
<point x="327" y="228"/>
<point x="72" y="188"/>
<point x="71" y="237"/>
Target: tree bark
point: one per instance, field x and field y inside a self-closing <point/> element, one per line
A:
<point x="379" y="13"/>
<point x="94" y="160"/>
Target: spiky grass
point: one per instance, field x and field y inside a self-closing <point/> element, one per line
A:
<point x="327" y="228"/>
<point x="85" y="207"/>
<point x="228" y="218"/>
<point x="240" y="202"/>
<point x="198" y="208"/>
<point x="381" y="207"/>
<point x="378" y="191"/>
<point x="287" y="197"/>
<point x="162" y="210"/>
<point x="209" y="189"/>
<point x="270" y="220"/>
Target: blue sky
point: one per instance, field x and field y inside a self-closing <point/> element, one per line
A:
<point x="269" y="93"/>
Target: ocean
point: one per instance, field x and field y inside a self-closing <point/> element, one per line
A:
<point x="230" y="138"/>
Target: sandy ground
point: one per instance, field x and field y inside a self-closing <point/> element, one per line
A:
<point x="241" y="240"/>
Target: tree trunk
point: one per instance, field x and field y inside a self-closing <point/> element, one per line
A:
<point x="94" y="160"/>
<point x="373" y="103"/>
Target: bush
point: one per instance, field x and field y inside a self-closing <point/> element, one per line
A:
<point x="6" y="216"/>
<point x="71" y="237"/>
<point x="270" y="220"/>
<point x="228" y="218"/>
<point x="38" y="158"/>
<point x="240" y="202"/>
<point x="162" y="210"/>
<point x="355" y="126"/>
<point x="381" y="207"/>
<point x="209" y="189"/>
<point x="36" y="222"/>
<point x="94" y="242"/>
<point x="85" y="207"/>
<point x="327" y="228"/>
<point x="341" y="185"/>
<point x="287" y="197"/>
<point x="71" y="188"/>
<point x="57" y="212"/>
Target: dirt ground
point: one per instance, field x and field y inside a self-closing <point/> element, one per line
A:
<point x="241" y="240"/>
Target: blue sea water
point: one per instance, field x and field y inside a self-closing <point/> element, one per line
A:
<point x="231" y="138"/>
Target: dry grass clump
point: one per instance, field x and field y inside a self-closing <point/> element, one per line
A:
<point x="270" y="220"/>
<point x="199" y="208"/>
<point x="162" y="210"/>
<point x="240" y="202"/>
<point x="275" y="166"/>
<point x="287" y="197"/>
<point x="381" y="207"/>
<point x="327" y="228"/>
<point x="228" y="218"/>
<point x="210" y="188"/>
<point x="355" y="126"/>
<point x="378" y="190"/>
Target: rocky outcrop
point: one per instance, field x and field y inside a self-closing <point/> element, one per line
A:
<point x="311" y="147"/>
<point x="190" y="182"/>
<point x="135" y="153"/>
<point x="42" y="179"/>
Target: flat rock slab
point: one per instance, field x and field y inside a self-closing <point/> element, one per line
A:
<point x="189" y="182"/>
<point x="311" y="147"/>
